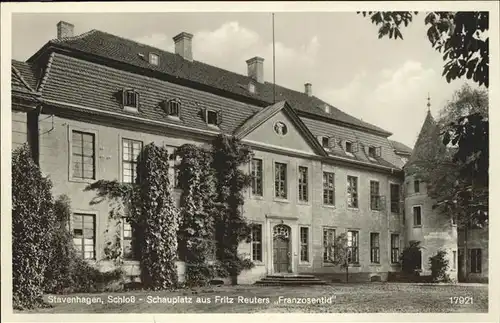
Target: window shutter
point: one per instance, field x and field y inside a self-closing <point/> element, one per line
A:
<point x="219" y="117"/>
<point x="204" y="114"/>
<point x="378" y="151"/>
<point x="320" y="140"/>
<point x="123" y="96"/>
<point x="136" y="94"/>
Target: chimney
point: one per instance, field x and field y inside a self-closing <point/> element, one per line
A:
<point x="64" y="30"/>
<point x="308" y="89"/>
<point x="183" y="45"/>
<point x="256" y="68"/>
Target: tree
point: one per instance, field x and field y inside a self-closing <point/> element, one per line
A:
<point x="341" y="254"/>
<point x="457" y="178"/>
<point x="33" y="222"/>
<point x="460" y="36"/>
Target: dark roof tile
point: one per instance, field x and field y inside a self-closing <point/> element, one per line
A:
<point x="127" y="51"/>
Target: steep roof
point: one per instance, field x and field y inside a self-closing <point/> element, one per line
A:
<point x="123" y="50"/>
<point x="76" y="84"/>
<point x="23" y="75"/>
<point x="427" y="146"/>
<point x="400" y="148"/>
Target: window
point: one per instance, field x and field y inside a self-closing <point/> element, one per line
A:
<point x="83" y="155"/>
<point x="416" y="186"/>
<point x="173" y="167"/>
<point x="372" y="152"/>
<point x="352" y="191"/>
<point x="418" y="265"/>
<point x="84" y="234"/>
<point x="394" y="248"/>
<point x="127" y="240"/>
<point x="395" y="198"/>
<point x="303" y="184"/>
<point x="251" y="87"/>
<point x="417" y="215"/>
<point x="374" y="248"/>
<point x="280" y="180"/>
<point x="327" y="108"/>
<point x="257" y="242"/>
<point x="348" y="147"/>
<point x="353" y="247"/>
<point x="213" y="117"/>
<point x="173" y="108"/>
<point x="374" y="195"/>
<point x="454" y="259"/>
<point x="304" y="244"/>
<point x="130" y="98"/>
<point x="328" y="188"/>
<point x="154" y="59"/>
<point x="130" y="154"/>
<point x="328" y="244"/>
<point x="257" y="177"/>
<point x="475" y="260"/>
<point x="325" y="142"/>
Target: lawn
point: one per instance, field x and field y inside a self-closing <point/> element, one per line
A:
<point x="336" y="298"/>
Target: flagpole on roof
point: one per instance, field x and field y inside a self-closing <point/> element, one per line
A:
<point x="274" y="67"/>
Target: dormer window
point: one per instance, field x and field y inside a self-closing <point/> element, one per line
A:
<point x="348" y="147"/>
<point x="213" y="117"/>
<point x="372" y="152"/>
<point x="327" y="108"/>
<point x="251" y="87"/>
<point x="130" y="100"/>
<point x="325" y="142"/>
<point x="172" y="108"/>
<point x="154" y="59"/>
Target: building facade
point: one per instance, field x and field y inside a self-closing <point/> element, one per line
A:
<point x="87" y="104"/>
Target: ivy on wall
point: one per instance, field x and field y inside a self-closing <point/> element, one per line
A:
<point x="196" y="231"/>
<point x="231" y="228"/>
<point x="149" y="206"/>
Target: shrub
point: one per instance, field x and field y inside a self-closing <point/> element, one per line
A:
<point x="32" y="224"/>
<point x="439" y="267"/>
<point x="411" y="258"/>
<point x="67" y="272"/>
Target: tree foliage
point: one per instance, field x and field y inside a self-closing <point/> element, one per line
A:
<point x="439" y="266"/>
<point x="457" y="178"/>
<point x="33" y="220"/>
<point x="460" y="36"/>
<point x="231" y="228"/>
<point x="411" y="258"/>
<point x="340" y="254"/>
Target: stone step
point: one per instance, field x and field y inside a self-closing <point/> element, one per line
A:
<point x="289" y="280"/>
<point x="289" y="283"/>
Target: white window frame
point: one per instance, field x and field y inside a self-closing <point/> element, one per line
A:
<point x="309" y="247"/>
<point x="287" y="181"/>
<point x="72" y="226"/>
<point x="70" y="154"/>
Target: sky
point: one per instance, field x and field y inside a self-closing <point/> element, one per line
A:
<point x="381" y="81"/>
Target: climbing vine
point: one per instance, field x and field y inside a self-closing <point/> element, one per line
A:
<point x="231" y="228"/>
<point x="149" y="206"/>
<point x="196" y="231"/>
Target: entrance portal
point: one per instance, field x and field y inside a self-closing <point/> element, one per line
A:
<point x="281" y="249"/>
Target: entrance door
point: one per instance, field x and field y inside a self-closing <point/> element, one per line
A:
<point x="281" y="249"/>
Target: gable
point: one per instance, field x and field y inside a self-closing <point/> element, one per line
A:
<point x="265" y="134"/>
